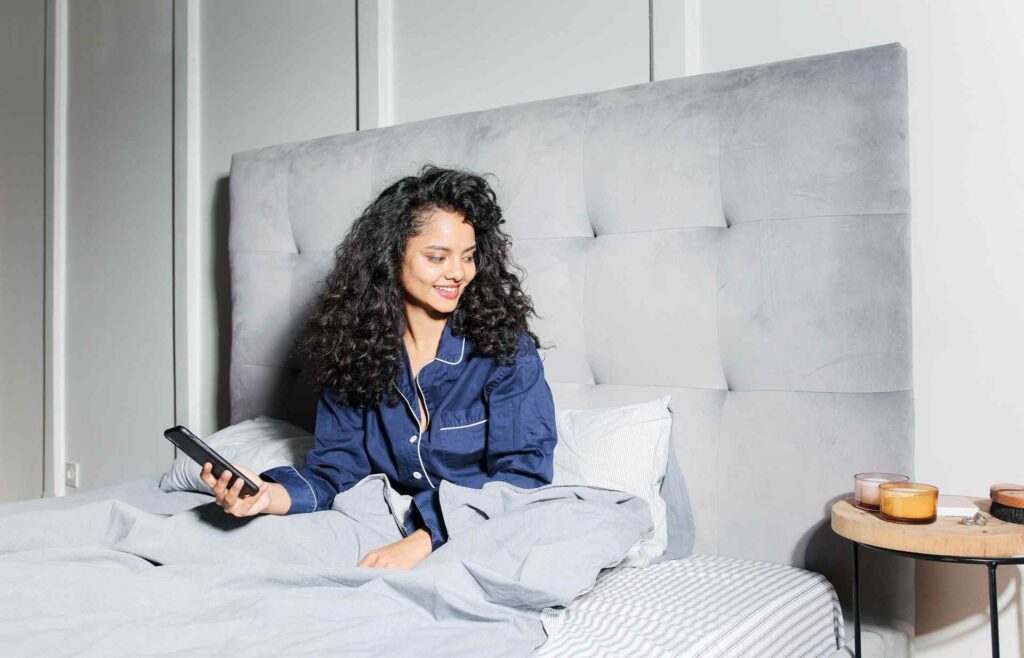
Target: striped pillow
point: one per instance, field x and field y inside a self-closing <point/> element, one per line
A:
<point x="623" y="448"/>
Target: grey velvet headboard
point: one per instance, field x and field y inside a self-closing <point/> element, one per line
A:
<point x="739" y="240"/>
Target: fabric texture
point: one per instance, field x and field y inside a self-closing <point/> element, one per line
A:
<point x="201" y="581"/>
<point x="255" y="444"/>
<point x="706" y="605"/>
<point x="484" y="422"/>
<point x="622" y="448"/>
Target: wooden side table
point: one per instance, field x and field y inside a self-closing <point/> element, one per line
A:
<point x="945" y="540"/>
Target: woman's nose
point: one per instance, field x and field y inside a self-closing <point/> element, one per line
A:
<point x="455" y="271"/>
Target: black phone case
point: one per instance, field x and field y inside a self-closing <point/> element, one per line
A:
<point x="201" y="453"/>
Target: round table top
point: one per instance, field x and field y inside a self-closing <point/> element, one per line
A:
<point x="946" y="536"/>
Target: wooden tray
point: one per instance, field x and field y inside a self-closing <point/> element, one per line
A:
<point x="947" y="536"/>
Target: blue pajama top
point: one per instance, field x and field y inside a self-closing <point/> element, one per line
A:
<point x="484" y="422"/>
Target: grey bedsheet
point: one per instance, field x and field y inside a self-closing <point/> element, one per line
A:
<point x="144" y="493"/>
<point x="102" y="576"/>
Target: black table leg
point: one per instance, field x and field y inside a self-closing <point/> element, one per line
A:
<point x="990" y="562"/>
<point x="856" y="602"/>
<point x="993" y="608"/>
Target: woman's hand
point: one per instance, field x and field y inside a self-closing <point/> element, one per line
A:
<point x="402" y="554"/>
<point x="231" y="499"/>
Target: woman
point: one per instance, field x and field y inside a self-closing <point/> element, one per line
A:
<point x="427" y="368"/>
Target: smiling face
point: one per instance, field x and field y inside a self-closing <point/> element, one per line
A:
<point x="439" y="263"/>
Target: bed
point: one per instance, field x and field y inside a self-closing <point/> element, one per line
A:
<point x="738" y="241"/>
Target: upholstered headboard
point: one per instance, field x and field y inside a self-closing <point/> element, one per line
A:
<point x="739" y="240"/>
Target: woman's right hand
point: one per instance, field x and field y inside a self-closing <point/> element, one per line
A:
<point x="231" y="499"/>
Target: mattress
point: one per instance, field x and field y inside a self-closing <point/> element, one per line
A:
<point x="703" y="605"/>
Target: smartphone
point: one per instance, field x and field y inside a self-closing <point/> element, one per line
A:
<point x="201" y="453"/>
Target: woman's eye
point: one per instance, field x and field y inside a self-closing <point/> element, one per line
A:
<point x="468" y="259"/>
<point x="435" y="259"/>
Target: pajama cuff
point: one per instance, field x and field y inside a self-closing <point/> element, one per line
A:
<point x="298" y="487"/>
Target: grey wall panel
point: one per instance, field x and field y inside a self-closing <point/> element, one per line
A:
<point x="120" y="354"/>
<point x="855" y="342"/>
<point x="22" y="110"/>
<point x="270" y="72"/>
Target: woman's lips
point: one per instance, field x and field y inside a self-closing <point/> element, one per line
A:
<point x="448" y="292"/>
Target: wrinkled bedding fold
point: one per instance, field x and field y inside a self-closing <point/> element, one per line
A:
<point x="106" y="577"/>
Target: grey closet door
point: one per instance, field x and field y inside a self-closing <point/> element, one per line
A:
<point x="120" y="350"/>
<point x="22" y="217"/>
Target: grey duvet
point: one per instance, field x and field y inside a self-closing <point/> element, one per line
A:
<point x="149" y="573"/>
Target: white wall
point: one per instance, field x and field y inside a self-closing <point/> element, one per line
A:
<point x="22" y="116"/>
<point x="966" y="61"/>
<point x="120" y="349"/>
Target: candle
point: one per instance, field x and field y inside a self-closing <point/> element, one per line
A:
<point x="908" y="502"/>
<point x="865" y="488"/>
<point x="868" y="490"/>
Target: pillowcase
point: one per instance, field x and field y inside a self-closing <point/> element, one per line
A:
<point x="624" y="448"/>
<point x="256" y="444"/>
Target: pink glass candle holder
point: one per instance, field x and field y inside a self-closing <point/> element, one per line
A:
<point x="865" y="488"/>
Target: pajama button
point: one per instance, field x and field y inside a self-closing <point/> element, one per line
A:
<point x="412" y="439"/>
<point x="417" y="475"/>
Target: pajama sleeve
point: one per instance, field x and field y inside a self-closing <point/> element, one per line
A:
<point x="336" y="462"/>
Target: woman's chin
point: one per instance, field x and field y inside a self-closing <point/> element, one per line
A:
<point x="439" y="310"/>
<point x="443" y="304"/>
<point x="434" y="304"/>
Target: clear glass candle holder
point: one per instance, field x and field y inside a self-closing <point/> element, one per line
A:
<point x="908" y="502"/>
<point x="865" y="488"/>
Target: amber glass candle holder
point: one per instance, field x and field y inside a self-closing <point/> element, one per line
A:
<point x="865" y="488"/>
<point x="908" y="502"/>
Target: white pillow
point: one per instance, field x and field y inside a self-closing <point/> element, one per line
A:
<point x="624" y="448"/>
<point x="256" y="444"/>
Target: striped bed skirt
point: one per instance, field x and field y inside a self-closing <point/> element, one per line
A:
<point x="703" y="605"/>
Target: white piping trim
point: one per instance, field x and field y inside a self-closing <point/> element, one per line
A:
<point x="459" y="427"/>
<point x="316" y="503"/>
<point x="452" y="363"/>
<point x="426" y="407"/>
<point x="407" y="403"/>
<point x="419" y="441"/>
<point x="419" y="435"/>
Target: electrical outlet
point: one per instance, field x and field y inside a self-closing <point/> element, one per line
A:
<point x="71" y="474"/>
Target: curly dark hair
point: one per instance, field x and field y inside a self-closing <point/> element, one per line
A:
<point x="353" y="340"/>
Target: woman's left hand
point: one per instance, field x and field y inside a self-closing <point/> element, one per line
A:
<point x="402" y="554"/>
